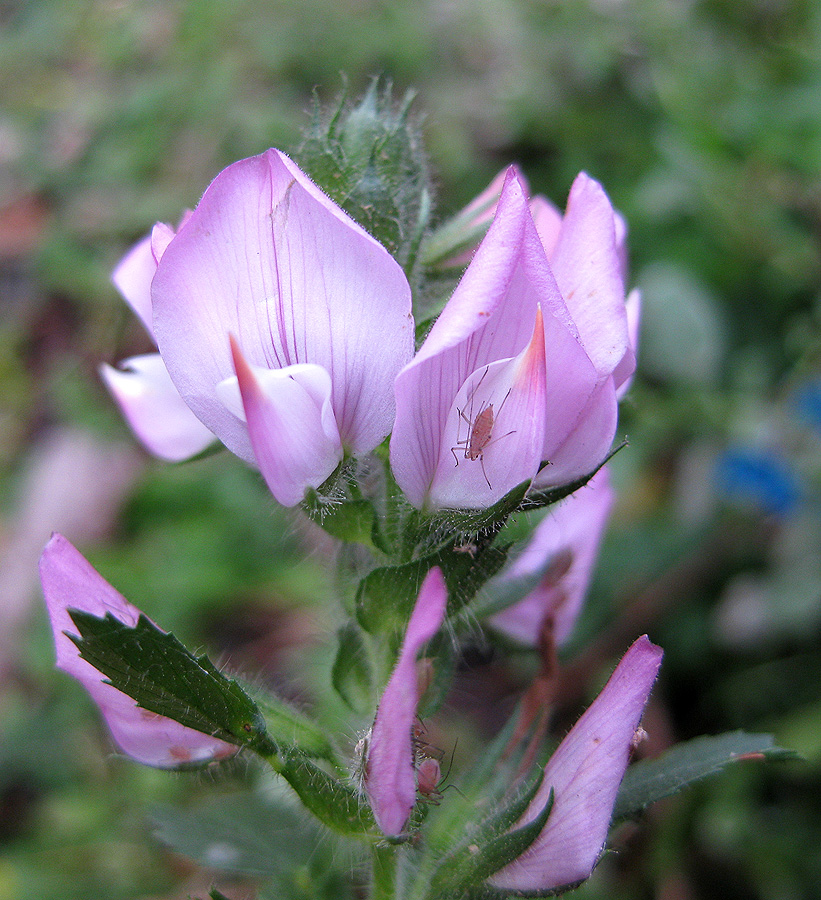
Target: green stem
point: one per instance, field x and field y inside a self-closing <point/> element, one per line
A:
<point x="383" y="877"/>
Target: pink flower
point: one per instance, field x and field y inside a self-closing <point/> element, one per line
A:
<point x="518" y="368"/>
<point x="586" y="248"/>
<point x="281" y="322"/>
<point x="569" y="537"/>
<point x="584" y="775"/>
<point x="389" y="772"/>
<point x="141" y="386"/>
<point x="69" y="582"/>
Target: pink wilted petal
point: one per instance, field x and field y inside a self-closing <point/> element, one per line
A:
<point x="291" y="425"/>
<point x="495" y="429"/>
<point x="69" y="582"/>
<point x="268" y="258"/>
<point x="490" y="318"/>
<point x="154" y="410"/>
<point x="390" y="777"/>
<point x="584" y="774"/>
<point x="569" y="535"/>
<point x="588" y="268"/>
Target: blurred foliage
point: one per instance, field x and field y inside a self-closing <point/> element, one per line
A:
<point x="703" y="121"/>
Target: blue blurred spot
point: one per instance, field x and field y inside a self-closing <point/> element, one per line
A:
<point x="760" y="478"/>
<point x="808" y="403"/>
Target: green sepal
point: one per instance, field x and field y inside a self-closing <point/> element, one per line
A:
<point x="549" y="496"/>
<point x="351" y="673"/>
<point x="686" y="763"/>
<point x="352" y="521"/>
<point x="335" y="803"/>
<point x="495" y="843"/>
<point x="465" y="526"/>
<point x="152" y="667"/>
<point x="453" y="237"/>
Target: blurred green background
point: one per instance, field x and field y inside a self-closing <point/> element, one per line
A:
<point x="703" y="121"/>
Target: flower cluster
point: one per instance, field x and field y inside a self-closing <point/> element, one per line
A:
<point x="284" y="330"/>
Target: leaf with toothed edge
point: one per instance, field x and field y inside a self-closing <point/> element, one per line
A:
<point x="154" y="669"/>
<point x="386" y="595"/>
<point x="499" y="594"/>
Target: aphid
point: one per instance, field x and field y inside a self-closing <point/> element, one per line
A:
<point x="639" y="736"/>
<point x="428" y="776"/>
<point x="480" y="430"/>
<point x="428" y="765"/>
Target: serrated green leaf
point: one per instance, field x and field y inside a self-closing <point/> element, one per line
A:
<point x="156" y="670"/>
<point x="351" y="673"/>
<point x="500" y="593"/>
<point x="386" y="596"/>
<point x="689" y="762"/>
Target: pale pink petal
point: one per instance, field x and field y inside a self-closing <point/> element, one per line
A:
<point x="132" y="277"/>
<point x="390" y="777"/>
<point x="587" y="444"/>
<point x="134" y="273"/>
<point x="290" y="422"/>
<point x="154" y="410"/>
<point x="623" y="375"/>
<point x="69" y="582"/>
<point x="268" y="258"/>
<point x="161" y="237"/>
<point x="584" y="774"/>
<point x="621" y="244"/>
<point x="489" y="318"/>
<point x="495" y="430"/>
<point x="548" y="221"/>
<point x="588" y="269"/>
<point x="569" y="535"/>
